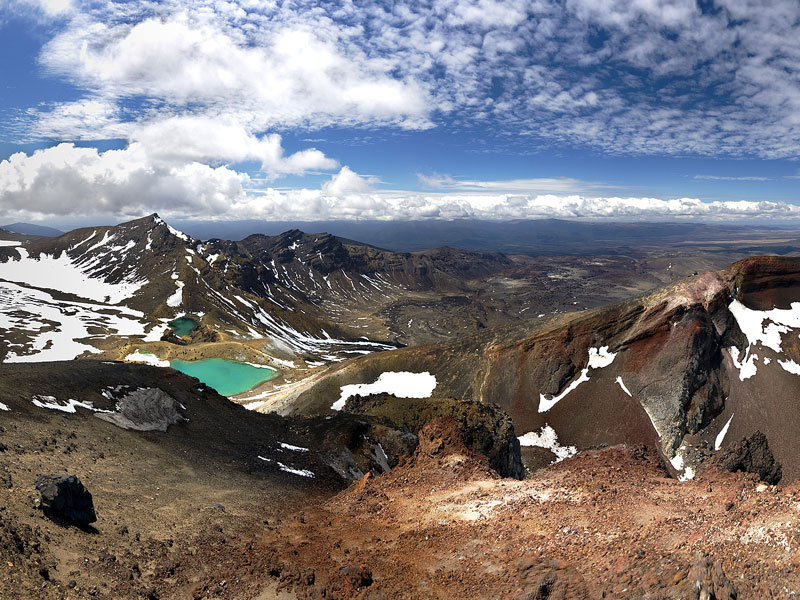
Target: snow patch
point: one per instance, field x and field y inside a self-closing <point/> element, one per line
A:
<point x="172" y="230"/>
<point x="747" y="367"/>
<point x="175" y="299"/>
<point x="546" y="404"/>
<point x="9" y="243"/>
<point x="51" y="328"/>
<point x="3" y="407"/>
<point x="600" y="357"/>
<point x="679" y="463"/>
<point x="548" y="439"/>
<point x="293" y="471"/>
<point x="790" y="366"/>
<point x="402" y="384"/>
<point x="146" y="358"/>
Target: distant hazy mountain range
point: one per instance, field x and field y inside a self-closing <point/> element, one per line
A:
<point x="531" y="237"/>
<point x="31" y="229"/>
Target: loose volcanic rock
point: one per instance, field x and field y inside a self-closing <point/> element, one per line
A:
<point x="752" y="455"/>
<point x="485" y="428"/>
<point x="65" y="497"/>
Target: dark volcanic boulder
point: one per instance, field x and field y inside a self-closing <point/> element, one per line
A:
<point x="65" y="497"/>
<point x="751" y="455"/>
<point x="485" y="428"/>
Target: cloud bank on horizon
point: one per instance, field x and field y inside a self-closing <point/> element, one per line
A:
<point x="201" y="96"/>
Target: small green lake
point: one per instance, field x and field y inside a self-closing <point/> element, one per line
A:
<point x="228" y="377"/>
<point x="183" y="326"/>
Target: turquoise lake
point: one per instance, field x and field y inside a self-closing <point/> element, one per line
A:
<point x="228" y="377"/>
<point x="183" y="326"/>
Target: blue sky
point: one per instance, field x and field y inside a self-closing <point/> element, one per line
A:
<point x="304" y="110"/>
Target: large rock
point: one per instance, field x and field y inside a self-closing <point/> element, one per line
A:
<point x="148" y="409"/>
<point x="353" y="445"/>
<point x="751" y="455"/>
<point x="485" y="428"/>
<point x="65" y="497"/>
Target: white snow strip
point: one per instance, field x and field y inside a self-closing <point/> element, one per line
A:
<point x="721" y="434"/>
<point x="3" y="407"/>
<point x="9" y="243"/>
<point x="402" y="384"/>
<point x="292" y="448"/>
<point x="146" y="358"/>
<point x="301" y="472"/>
<point x="546" y="404"/>
<point x="94" y="233"/>
<point x="548" y="439"/>
<point x="283" y="363"/>
<point x="283" y="467"/>
<point x="652" y="420"/>
<point x="156" y="332"/>
<point x="622" y="385"/>
<point x="177" y="233"/>
<point x="103" y="241"/>
<point x="51" y="403"/>
<point x="258" y="366"/>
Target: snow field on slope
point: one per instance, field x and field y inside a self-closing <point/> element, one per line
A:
<point x="64" y="275"/>
<point x="402" y="384"/>
<point x="55" y="326"/>
<point x="764" y="328"/>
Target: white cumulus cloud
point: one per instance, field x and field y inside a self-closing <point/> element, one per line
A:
<point x="70" y="180"/>
<point x="202" y="139"/>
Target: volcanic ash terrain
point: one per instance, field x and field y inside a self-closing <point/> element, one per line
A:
<point x="645" y="449"/>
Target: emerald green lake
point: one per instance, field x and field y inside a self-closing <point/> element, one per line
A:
<point x="183" y="326"/>
<point x="228" y="377"/>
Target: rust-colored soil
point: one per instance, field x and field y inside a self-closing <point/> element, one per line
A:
<point x="606" y="524"/>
